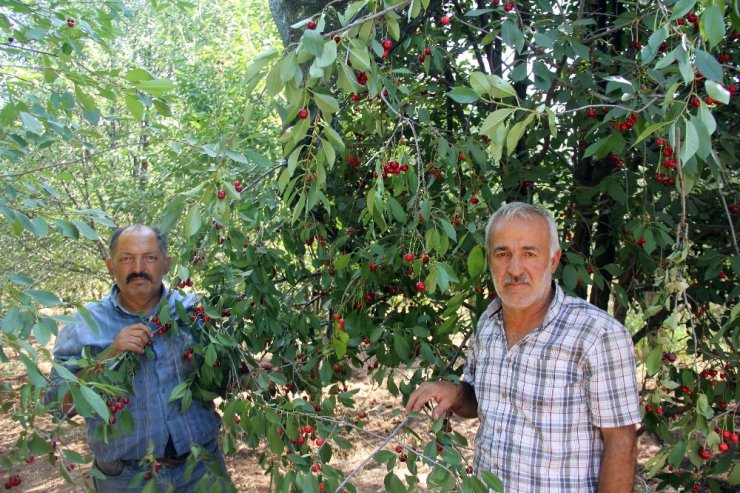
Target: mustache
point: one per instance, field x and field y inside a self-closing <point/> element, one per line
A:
<point x="142" y="275"/>
<point x="516" y="279"/>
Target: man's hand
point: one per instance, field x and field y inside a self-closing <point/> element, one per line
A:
<point x="449" y="396"/>
<point x="131" y="338"/>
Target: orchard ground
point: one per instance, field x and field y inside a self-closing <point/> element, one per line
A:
<point x="383" y="412"/>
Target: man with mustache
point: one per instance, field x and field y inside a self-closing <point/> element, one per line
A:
<point x="551" y="377"/>
<point x="123" y="322"/>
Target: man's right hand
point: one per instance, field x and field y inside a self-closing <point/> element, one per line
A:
<point x="131" y="338"/>
<point x="448" y="396"/>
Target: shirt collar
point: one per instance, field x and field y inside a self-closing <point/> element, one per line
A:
<point x="115" y="294"/>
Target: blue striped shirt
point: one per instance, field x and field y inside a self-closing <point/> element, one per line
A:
<point x="155" y="419"/>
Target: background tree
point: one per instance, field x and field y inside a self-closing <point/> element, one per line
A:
<point x="402" y="126"/>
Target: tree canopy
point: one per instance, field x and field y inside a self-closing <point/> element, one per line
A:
<point x="327" y="199"/>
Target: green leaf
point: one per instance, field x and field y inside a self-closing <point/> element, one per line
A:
<point x="463" y="95"/>
<point x="476" y="261"/>
<point x="649" y="131"/>
<point x="734" y="477"/>
<point x="138" y="75"/>
<point x="313" y="42"/>
<point x="717" y="92"/>
<point x="713" y="24"/>
<point x="86" y="230"/>
<point x="157" y="87"/>
<point x="493" y="119"/>
<point x="708" y="66"/>
<point x="690" y="142"/>
<point x="31" y="123"/>
<point x="339" y="343"/>
<point x="516" y="133"/>
<point x="501" y="88"/>
<point x="327" y="104"/>
<point x="492" y="481"/>
<point x="703" y="407"/>
<point x="192" y="221"/>
<point x="328" y="54"/>
<point x="44" y="298"/>
<point x="654" y="359"/>
<point x="401" y="345"/>
<point x="274" y="441"/>
<point x="358" y="55"/>
<point x="511" y="35"/>
<point x="134" y="106"/>
<point x="397" y="210"/>
<point x="682" y="8"/>
<point x="95" y="401"/>
<point x="480" y="83"/>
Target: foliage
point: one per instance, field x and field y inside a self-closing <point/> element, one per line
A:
<point x="404" y="125"/>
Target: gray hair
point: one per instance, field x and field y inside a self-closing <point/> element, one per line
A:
<point x="161" y="238"/>
<point x="522" y="210"/>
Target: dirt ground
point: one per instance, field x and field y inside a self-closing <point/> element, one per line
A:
<point x="381" y="408"/>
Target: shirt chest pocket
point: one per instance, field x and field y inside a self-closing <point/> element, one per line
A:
<point x="542" y="386"/>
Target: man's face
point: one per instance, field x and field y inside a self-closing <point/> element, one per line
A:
<point x="520" y="261"/>
<point x="137" y="265"/>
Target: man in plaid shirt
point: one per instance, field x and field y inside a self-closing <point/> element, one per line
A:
<point x="551" y="377"/>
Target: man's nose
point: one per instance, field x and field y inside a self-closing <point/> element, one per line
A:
<point x="139" y="264"/>
<point x="514" y="267"/>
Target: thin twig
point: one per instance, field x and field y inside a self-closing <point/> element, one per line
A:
<point x="362" y="20"/>
<point x="380" y="447"/>
<point x="67" y="163"/>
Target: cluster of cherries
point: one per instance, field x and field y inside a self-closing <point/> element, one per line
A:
<point x="115" y="405"/>
<point x="627" y="124"/>
<point x="392" y="168"/>
<point x="668" y="163"/>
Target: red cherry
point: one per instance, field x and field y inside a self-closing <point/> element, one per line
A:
<point x="319" y="442"/>
<point x="307" y="429"/>
<point x="726" y="434"/>
<point x="445" y="21"/>
<point x="337" y="368"/>
<point x="409" y="257"/>
<point x="508" y="6"/>
<point x="723" y="447"/>
<point x="402" y="458"/>
<point x="428" y="51"/>
<point x="303" y="113"/>
<point x="399" y="449"/>
<point x="311" y="25"/>
<point x="112" y="420"/>
<point x="705" y="454"/>
<point x="387" y="44"/>
<point x="420" y="286"/>
<point x="301" y="440"/>
<point x="734" y="437"/>
<point x="221" y="194"/>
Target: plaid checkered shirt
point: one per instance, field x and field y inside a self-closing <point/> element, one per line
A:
<point x="541" y="402"/>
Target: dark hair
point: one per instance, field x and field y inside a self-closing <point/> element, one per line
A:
<point x="161" y="239"/>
